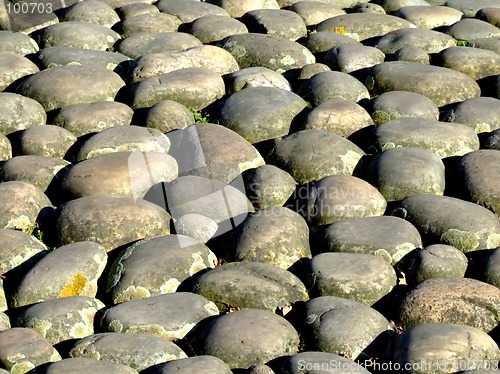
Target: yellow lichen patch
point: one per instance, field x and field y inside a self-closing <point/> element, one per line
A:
<point x="80" y="330"/>
<point x="74" y="286"/>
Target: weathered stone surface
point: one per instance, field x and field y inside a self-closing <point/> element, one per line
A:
<point x="441" y="85"/>
<point x="268" y="51"/>
<point x="71" y="270"/>
<point x="82" y="119"/>
<point x="357" y="276"/>
<point x="426" y="344"/>
<point x="18" y="113"/>
<point x="394" y="104"/>
<point x="109" y="221"/>
<point x="65" y="85"/>
<point x="312" y="69"/>
<point x="245" y="284"/>
<point x="493" y="140"/>
<point x="294" y="154"/>
<point x="238" y="113"/>
<point x="442" y="138"/>
<point x="236" y="8"/>
<point x="490" y="15"/>
<point x="368" y="8"/>
<point x="18" y="247"/>
<point x="214" y="152"/>
<point x="319" y="363"/>
<point x="22" y="349"/>
<point x="390" y="238"/>
<point x="42" y="172"/>
<point x="150" y="22"/>
<point x="169" y="316"/>
<point x="390" y="6"/>
<point x="81" y="365"/>
<point x="92" y="11"/>
<point x="480" y="177"/>
<point x="207" y="57"/>
<point x="475" y="62"/>
<point x="195" y="364"/>
<point x="168" y="115"/>
<point x="188" y="12"/>
<point x="429" y="17"/>
<point x="18" y="43"/>
<point x="345" y="327"/>
<point x="275" y="235"/>
<point x="482" y="114"/>
<point x="262" y="336"/>
<point x="192" y="87"/>
<point x="214" y="28"/>
<point x="351" y="57"/>
<point x="5" y="148"/>
<point x="61" y="319"/>
<point x="428" y="40"/>
<point x="267" y="186"/>
<point x="142" y="43"/>
<point x="21" y="205"/>
<point x="123" y="139"/>
<point x="361" y="26"/>
<point x="470" y="7"/>
<point x="196" y="226"/>
<point x="321" y="42"/>
<point x="138" y="351"/>
<point x="447" y="220"/>
<point x="401" y="172"/>
<point x="491" y="44"/>
<point x="435" y="261"/>
<point x="315" y="12"/>
<point x="254" y="77"/>
<point x="331" y="85"/>
<point x="62" y="55"/>
<point x="4" y="325"/>
<point x="14" y="67"/>
<point x="90" y="36"/>
<point x="339" y="116"/>
<point x="452" y="300"/>
<point x="47" y="140"/>
<point x="467" y="29"/>
<point x="338" y="197"/>
<point x="282" y="23"/>
<point x="156" y="266"/>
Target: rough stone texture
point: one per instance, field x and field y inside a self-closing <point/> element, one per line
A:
<point x="207" y="57"/>
<point x="268" y="51"/>
<point x="236" y="8"/>
<point x="321" y="42"/>
<point x="482" y="114"/>
<point x="254" y="77"/>
<point x="429" y="17"/>
<point x="14" y="67"/>
<point x="21" y="205"/>
<point x="296" y="155"/>
<point x="238" y="112"/>
<point x="452" y="300"/>
<point x="455" y="347"/>
<point x="442" y="138"/>
<point x="447" y="220"/>
<point x="196" y="226"/>
<point x="5" y="148"/>
<point x="347" y="58"/>
<point x="492" y="141"/>
<point x="282" y="23"/>
<point x="169" y="316"/>
<point x="411" y="54"/>
<point x="274" y="235"/>
<point x="357" y="276"/>
<point x="394" y="104"/>
<point x="61" y="319"/>
<point x="470" y="7"/>
<point x="441" y="85"/>
<point x="66" y="85"/>
<point x="345" y="327"/>
<point x="390" y="238"/>
<point x="81" y="365"/>
<point x="92" y="11"/>
<point x="18" y="113"/>
<point x="196" y="364"/>
<point x="214" y="28"/>
<point x="338" y="197"/>
<point x="267" y="186"/>
<point x="315" y="12"/>
<point x="18" y="247"/>
<point x="138" y="351"/>
<point x="144" y="42"/>
<point x="475" y="62"/>
<point x="18" y="43"/>
<point x="331" y="85"/>
<point x="467" y="29"/>
<point x="428" y="40"/>
<point x="168" y="115"/>
<point x="119" y="174"/>
<point x="123" y="139"/>
<point x="401" y="172"/>
<point x="435" y="261"/>
<point x="262" y="336"/>
<point x="109" y="221"/>
<point x="480" y="177"/>
<point x="241" y="285"/>
<point x="156" y="266"/>
<point x="192" y="87"/>
<point x="150" y="22"/>
<point x="71" y="270"/>
<point x="188" y="12"/>
<point x="82" y="119"/>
